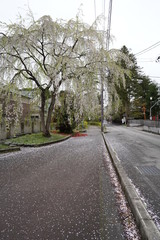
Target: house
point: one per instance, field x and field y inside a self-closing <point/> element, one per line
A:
<point x="18" y="113"/>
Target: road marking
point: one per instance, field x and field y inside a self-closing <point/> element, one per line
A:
<point x="138" y="170"/>
<point x="149" y="170"/>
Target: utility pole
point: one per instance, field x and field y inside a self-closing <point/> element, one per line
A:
<point x="109" y="25"/>
<point x="102" y="107"/>
<point x="95" y="9"/>
<point x="107" y="48"/>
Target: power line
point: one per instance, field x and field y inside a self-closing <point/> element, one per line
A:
<point x="147" y="61"/>
<point x="154" y="77"/>
<point x="148" y="49"/>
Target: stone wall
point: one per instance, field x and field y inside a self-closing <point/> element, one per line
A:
<point x="23" y="128"/>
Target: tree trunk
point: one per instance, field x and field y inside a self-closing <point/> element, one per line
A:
<point x="46" y="124"/>
<point x="43" y="100"/>
<point x="127" y="111"/>
<point x="50" y="111"/>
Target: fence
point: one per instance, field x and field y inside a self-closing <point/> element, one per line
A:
<point x="141" y="122"/>
<point x="23" y="128"/>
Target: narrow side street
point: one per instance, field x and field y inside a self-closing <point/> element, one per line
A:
<point x="60" y="192"/>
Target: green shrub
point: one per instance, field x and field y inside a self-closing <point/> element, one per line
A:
<point x="83" y="125"/>
<point x="94" y="123"/>
<point x="63" y="124"/>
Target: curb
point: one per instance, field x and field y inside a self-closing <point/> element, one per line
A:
<point x="13" y="149"/>
<point x="147" y="227"/>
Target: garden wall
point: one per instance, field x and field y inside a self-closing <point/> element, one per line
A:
<point x="23" y="128"/>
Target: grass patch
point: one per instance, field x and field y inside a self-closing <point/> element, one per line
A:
<point x="34" y="139"/>
<point x="2" y="147"/>
<point x="93" y="123"/>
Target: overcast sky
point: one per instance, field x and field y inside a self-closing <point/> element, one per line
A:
<point x="135" y="23"/>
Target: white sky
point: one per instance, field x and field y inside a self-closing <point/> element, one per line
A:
<point x="135" y="23"/>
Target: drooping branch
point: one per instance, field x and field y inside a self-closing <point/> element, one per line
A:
<point x="29" y="72"/>
<point x="48" y="54"/>
<point x="74" y="45"/>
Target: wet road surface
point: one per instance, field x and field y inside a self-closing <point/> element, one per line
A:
<point x="139" y="153"/>
<point x="58" y="192"/>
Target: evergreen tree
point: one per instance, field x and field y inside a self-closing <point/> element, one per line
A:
<point x="134" y="90"/>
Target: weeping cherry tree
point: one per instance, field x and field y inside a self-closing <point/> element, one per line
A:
<point x="45" y="54"/>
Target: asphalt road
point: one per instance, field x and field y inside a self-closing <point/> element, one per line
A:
<point x="59" y="192"/>
<point x="139" y="153"/>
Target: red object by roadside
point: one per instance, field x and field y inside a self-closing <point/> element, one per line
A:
<point x="79" y="135"/>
